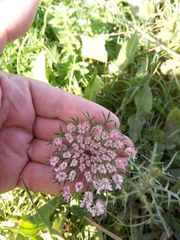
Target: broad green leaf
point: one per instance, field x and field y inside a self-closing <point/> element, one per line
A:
<point x="20" y="237"/>
<point x="127" y="52"/>
<point x="94" y="47"/>
<point x="93" y="87"/>
<point x="172" y="127"/>
<point x="36" y="238"/>
<point x="135" y="122"/>
<point x="41" y="217"/>
<point x="174" y="115"/>
<point x="30" y="225"/>
<point x="143" y="100"/>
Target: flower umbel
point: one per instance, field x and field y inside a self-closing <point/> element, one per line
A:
<point x="88" y="156"/>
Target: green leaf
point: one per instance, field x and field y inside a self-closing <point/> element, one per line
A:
<point x="175" y="173"/>
<point x="127" y="52"/>
<point x="94" y="47"/>
<point x="36" y="238"/>
<point x="20" y="237"/>
<point x="174" y="115"/>
<point x="135" y="122"/>
<point x="30" y="225"/>
<point x="152" y="235"/>
<point x="143" y="100"/>
<point x="59" y="221"/>
<point x="93" y="87"/>
<point x="172" y="127"/>
<point x="176" y="186"/>
<point x="173" y="223"/>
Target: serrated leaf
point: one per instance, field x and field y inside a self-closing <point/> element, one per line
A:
<point x="143" y="100"/>
<point x="94" y="47"/>
<point x="127" y="52"/>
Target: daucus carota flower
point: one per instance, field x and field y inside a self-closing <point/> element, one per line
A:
<point x="66" y="193"/>
<point x="79" y="186"/>
<point x="53" y="161"/>
<point x="131" y="152"/>
<point x="87" y="157"/>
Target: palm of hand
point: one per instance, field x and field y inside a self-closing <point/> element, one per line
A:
<point x="17" y="118"/>
<point x="30" y="112"/>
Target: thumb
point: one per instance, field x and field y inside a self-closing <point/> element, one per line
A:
<point x="15" y="19"/>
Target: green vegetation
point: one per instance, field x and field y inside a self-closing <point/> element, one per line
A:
<point x="124" y="55"/>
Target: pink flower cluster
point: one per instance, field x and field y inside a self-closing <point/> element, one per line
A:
<point x="93" y="152"/>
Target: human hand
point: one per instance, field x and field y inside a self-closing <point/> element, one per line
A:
<point x="15" y="19"/>
<point x="30" y="112"/>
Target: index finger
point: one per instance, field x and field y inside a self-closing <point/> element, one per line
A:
<point x="15" y="18"/>
<point x="54" y="103"/>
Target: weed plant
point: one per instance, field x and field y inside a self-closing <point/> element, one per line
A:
<point x="124" y="55"/>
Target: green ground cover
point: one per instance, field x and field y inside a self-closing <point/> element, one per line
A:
<point x="124" y="55"/>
